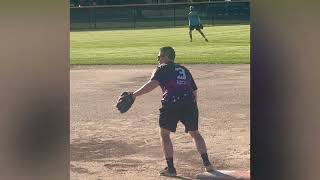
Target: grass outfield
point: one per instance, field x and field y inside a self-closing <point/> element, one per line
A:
<point x="227" y="45"/>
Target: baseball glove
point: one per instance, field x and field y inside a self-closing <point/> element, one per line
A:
<point x="125" y="101"/>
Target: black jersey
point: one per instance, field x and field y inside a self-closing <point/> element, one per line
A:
<point x="176" y="82"/>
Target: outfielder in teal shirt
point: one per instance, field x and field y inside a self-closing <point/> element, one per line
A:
<point x="195" y="23"/>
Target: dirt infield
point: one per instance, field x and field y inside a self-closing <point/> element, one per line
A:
<point x="108" y="145"/>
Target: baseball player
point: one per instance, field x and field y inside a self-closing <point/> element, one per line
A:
<point x="195" y="23"/>
<point x="179" y="103"/>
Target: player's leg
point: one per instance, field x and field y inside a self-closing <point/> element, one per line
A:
<point x="190" y="121"/>
<point x="199" y="141"/>
<point x="202" y="149"/>
<point x="168" y="123"/>
<point x="202" y="34"/>
<point x="166" y="143"/>
<point x="191" y="28"/>
<point x="190" y="35"/>
<point x="167" y="148"/>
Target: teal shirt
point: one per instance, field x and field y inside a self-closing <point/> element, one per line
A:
<point x="194" y="18"/>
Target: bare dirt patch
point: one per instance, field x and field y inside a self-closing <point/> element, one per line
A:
<point x="108" y="145"/>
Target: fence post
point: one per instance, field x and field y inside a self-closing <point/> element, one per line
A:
<point x="227" y="10"/>
<point x="89" y="16"/>
<point x="95" y="17"/>
<point x="174" y="16"/>
<point x="134" y="17"/>
<point x="212" y="19"/>
<point x="212" y="14"/>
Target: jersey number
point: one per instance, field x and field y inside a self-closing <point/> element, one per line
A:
<point x="182" y="73"/>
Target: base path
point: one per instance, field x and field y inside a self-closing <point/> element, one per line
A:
<point x="108" y="145"/>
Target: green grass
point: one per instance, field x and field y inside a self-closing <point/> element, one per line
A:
<point x="227" y="45"/>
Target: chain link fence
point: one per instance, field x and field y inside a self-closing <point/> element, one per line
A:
<point x="158" y="15"/>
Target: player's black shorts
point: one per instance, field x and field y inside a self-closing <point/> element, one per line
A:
<point x="197" y="27"/>
<point x="187" y="113"/>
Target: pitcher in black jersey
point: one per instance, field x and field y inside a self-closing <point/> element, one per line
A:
<point x="179" y="103"/>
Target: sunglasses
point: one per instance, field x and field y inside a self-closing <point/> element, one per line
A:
<point x="160" y="56"/>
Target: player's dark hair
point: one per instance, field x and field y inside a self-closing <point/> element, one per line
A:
<point x="168" y="52"/>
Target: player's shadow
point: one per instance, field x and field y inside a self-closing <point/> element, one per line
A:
<point x="215" y="175"/>
<point x="180" y="177"/>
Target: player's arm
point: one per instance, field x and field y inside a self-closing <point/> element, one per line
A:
<point x="193" y="86"/>
<point x="147" y="87"/>
<point x="189" y="16"/>
<point x="195" y="95"/>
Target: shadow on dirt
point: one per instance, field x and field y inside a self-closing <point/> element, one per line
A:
<point x="79" y="170"/>
<point x="217" y="175"/>
<point x="95" y="149"/>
